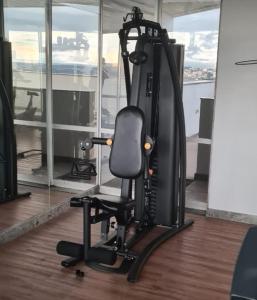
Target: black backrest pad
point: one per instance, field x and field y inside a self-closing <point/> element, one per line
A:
<point x="126" y="158"/>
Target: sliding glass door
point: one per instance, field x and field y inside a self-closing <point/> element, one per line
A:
<point x="195" y="24"/>
<point x="55" y="74"/>
<point x="25" y="27"/>
<point x="75" y="36"/>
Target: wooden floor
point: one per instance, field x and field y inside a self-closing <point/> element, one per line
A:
<point x="21" y="209"/>
<point x="196" y="264"/>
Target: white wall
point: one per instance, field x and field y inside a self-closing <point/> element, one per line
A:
<point x="233" y="177"/>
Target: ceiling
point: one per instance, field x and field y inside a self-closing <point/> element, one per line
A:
<point x="183" y="7"/>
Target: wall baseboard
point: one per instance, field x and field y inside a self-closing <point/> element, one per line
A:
<point x="231" y="216"/>
<point x="21" y="228"/>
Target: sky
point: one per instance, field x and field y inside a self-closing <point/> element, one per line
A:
<point x="198" y="32"/>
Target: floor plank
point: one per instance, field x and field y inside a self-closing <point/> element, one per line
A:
<point x="196" y="264"/>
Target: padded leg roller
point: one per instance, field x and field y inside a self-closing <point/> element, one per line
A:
<point x="70" y="249"/>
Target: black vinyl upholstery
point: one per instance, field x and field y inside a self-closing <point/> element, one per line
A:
<point x="113" y="201"/>
<point x="244" y="285"/>
<point x="126" y="157"/>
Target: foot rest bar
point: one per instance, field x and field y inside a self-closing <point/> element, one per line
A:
<point x="76" y="251"/>
<point x="70" y="249"/>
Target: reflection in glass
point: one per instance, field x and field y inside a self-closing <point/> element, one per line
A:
<point x="196" y="24"/>
<point x="70" y="162"/>
<point x="30" y="104"/>
<point x="113" y="86"/>
<point x="75" y="79"/>
<point x="25" y="29"/>
<point x="110" y="99"/>
<point x="113" y="81"/>
<point x="75" y="62"/>
<point x="73" y="107"/>
<point x="31" y="152"/>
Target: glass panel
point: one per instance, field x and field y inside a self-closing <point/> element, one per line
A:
<point x="113" y="81"/>
<point x="197" y="28"/>
<point x="70" y="162"/>
<point x="195" y="24"/>
<point x="75" y="83"/>
<point x="113" y="84"/>
<point x="31" y="152"/>
<point x="30" y="104"/>
<point x="75" y="62"/>
<point x="25" y="29"/>
<point x="75" y="54"/>
<point x="110" y="83"/>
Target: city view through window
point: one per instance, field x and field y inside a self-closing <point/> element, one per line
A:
<point x="199" y="33"/>
<point x="75" y="52"/>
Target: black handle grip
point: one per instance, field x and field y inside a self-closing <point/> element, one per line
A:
<point x="99" y="141"/>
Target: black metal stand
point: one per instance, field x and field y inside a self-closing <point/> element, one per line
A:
<point x="133" y="263"/>
<point x="82" y="169"/>
<point x="102" y="255"/>
<point x="138" y="265"/>
<point x="8" y="151"/>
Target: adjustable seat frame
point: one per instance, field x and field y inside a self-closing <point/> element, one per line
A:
<point x="159" y="198"/>
<point x="116" y="244"/>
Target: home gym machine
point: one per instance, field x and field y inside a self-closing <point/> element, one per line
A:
<point x="245" y="275"/>
<point x="149" y="148"/>
<point x="8" y="156"/>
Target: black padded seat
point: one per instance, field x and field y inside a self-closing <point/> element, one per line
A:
<point x="114" y="201"/>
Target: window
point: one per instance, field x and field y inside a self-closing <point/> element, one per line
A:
<point x="113" y="96"/>
<point x="25" y="29"/>
<point x="198" y="31"/>
<point x="74" y="82"/>
<point x="195" y="24"/>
